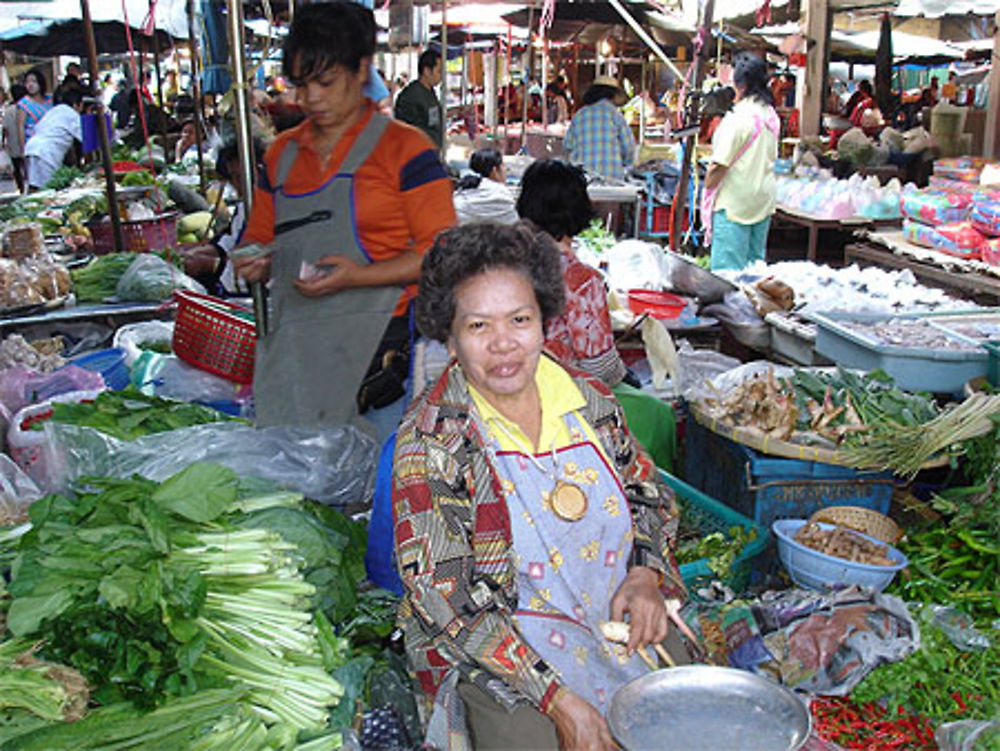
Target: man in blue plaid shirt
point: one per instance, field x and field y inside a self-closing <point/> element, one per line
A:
<point x="598" y="137"/>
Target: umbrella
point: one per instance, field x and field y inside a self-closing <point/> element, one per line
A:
<point x="49" y="38"/>
<point x="883" y="67"/>
<point x="215" y="78"/>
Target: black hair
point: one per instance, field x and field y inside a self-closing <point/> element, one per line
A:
<point x="462" y="253"/>
<point x="865" y="85"/>
<point x="71" y="95"/>
<point x="327" y="34"/>
<point x="229" y="151"/>
<point x="597" y="93"/>
<point x="750" y="74"/>
<point x="427" y="60"/>
<point x="40" y="77"/>
<point x="554" y="197"/>
<point x="484" y="161"/>
<point x="17" y="92"/>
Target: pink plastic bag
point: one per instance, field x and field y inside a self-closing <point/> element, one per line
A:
<point x="20" y="386"/>
<point x="935" y="206"/>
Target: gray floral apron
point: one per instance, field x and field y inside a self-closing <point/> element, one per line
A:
<point x="312" y="361"/>
<point x="569" y="571"/>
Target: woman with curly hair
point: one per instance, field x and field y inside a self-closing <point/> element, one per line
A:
<point x="525" y="514"/>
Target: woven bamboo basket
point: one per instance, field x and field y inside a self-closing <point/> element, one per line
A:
<point x="862" y="520"/>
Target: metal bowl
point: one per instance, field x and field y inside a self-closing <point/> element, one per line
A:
<point x="706" y="708"/>
<point x="688" y="278"/>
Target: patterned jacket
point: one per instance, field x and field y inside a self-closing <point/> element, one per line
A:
<point x="453" y="540"/>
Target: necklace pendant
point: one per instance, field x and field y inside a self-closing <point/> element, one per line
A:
<point x="569" y="502"/>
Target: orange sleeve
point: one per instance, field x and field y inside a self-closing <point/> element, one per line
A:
<point x="260" y="224"/>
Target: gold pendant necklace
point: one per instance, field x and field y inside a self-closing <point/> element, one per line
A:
<point x="567" y="499"/>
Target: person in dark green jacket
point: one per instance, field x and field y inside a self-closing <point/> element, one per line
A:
<point x="418" y="105"/>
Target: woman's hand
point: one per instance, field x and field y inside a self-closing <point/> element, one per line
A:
<point x="253" y="269"/>
<point x="579" y="726"/>
<point x="640" y="597"/>
<point x="340" y="273"/>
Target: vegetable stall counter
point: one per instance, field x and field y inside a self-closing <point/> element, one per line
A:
<point x="813" y="225"/>
<point x="967" y="279"/>
<point x="115" y="314"/>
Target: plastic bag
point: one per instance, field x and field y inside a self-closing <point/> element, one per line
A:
<point x="20" y="386"/>
<point x="968" y="735"/>
<point x="957" y="626"/>
<point x="334" y="466"/>
<point x="634" y="264"/>
<point x="151" y="279"/>
<point x="29" y="448"/>
<point x="172" y="378"/>
<point x="17" y="492"/>
<point x="130" y="337"/>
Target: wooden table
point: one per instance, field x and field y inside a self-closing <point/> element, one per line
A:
<point x="813" y="224"/>
<point x="980" y="287"/>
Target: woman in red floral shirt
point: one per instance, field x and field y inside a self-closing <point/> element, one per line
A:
<point x="554" y="197"/>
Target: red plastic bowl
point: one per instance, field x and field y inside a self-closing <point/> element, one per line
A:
<point x="657" y="304"/>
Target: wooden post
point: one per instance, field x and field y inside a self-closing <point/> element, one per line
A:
<point x="526" y="75"/>
<point x="680" y="199"/>
<point x="159" y="85"/>
<point x="102" y="133"/>
<point x="991" y="138"/>
<point x="199" y="102"/>
<point x="818" y="23"/>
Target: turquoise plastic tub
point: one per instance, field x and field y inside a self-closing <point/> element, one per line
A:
<point x="708" y="515"/>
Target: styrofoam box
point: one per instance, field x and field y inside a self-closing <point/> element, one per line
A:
<point x="943" y="371"/>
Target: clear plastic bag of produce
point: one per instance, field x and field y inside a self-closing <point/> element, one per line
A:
<point x="968" y="735"/>
<point x="17" y="492"/>
<point x="131" y="337"/>
<point x="151" y="279"/>
<point x="172" y="378"/>
<point x="957" y="626"/>
<point x="333" y="466"/>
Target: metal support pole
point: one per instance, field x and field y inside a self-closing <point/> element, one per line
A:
<point x="645" y="37"/>
<point x="199" y="113"/>
<point x="159" y="83"/>
<point x="102" y="132"/>
<point x="444" y="77"/>
<point x="680" y="199"/>
<point x="526" y="76"/>
<point x="244" y="140"/>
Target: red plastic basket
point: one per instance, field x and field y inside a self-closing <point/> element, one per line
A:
<point x="139" y="236"/>
<point x="215" y="336"/>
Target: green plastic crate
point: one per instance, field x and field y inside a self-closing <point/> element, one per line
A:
<point x="713" y="516"/>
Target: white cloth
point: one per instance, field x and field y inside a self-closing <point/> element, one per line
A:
<point x="490" y="201"/>
<point x="229" y="240"/>
<point x="53" y="137"/>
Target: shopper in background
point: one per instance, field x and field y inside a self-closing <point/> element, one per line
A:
<point x="418" y="105"/>
<point x="54" y="136"/>
<point x="11" y="135"/>
<point x="554" y="197"/>
<point x="739" y="193"/>
<point x="484" y="196"/>
<point x="598" y="138"/>
<point x="32" y="107"/>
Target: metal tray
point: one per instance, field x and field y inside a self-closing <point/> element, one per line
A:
<point x="707" y="708"/>
<point x="688" y="278"/>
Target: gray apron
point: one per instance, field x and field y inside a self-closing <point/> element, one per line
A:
<point x="312" y="361"/>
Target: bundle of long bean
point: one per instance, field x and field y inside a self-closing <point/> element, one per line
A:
<point x="906" y="448"/>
